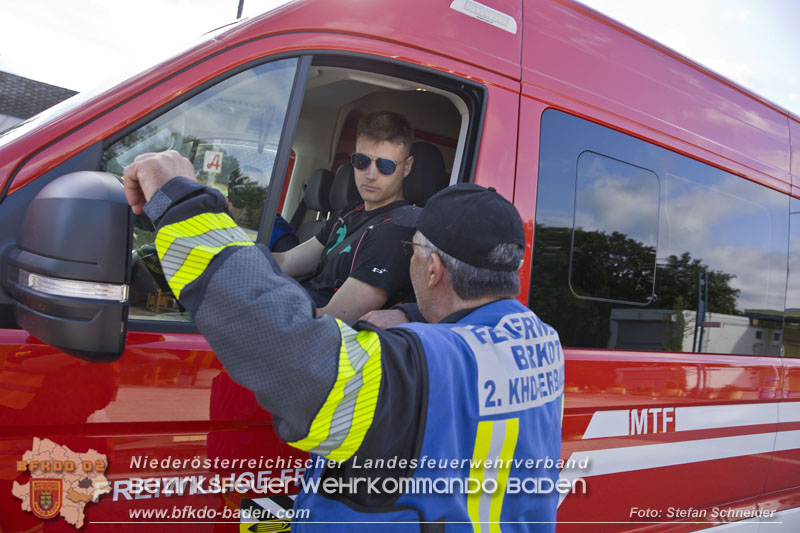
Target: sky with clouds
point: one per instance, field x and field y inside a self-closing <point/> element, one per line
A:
<point x="754" y="43"/>
<point x="79" y="44"/>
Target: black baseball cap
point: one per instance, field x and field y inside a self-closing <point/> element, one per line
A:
<point x="467" y="221"/>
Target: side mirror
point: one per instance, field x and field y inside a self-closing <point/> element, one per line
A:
<point x="69" y="270"/>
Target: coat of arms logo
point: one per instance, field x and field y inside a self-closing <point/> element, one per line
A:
<point x="46" y="497"/>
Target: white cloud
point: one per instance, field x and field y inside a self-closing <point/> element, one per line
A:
<point x="676" y="40"/>
<point x="615" y="202"/>
<point x="736" y="71"/>
<point x="740" y="14"/>
<point x="760" y="276"/>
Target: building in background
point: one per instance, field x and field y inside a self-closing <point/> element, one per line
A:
<point x="22" y="98"/>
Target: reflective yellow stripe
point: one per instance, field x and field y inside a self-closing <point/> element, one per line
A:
<point x="186" y="248"/>
<point x="483" y="440"/>
<point x="197" y="225"/>
<point x="495" y="442"/>
<point x="367" y="398"/>
<point x="320" y="426"/>
<point x="506" y="455"/>
<point x="347" y="413"/>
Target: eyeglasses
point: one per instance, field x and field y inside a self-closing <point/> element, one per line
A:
<point x="408" y="247"/>
<point x="362" y="161"/>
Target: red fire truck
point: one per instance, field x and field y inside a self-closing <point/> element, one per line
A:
<point x="661" y="216"/>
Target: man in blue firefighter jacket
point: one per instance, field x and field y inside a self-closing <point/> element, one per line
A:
<point x="447" y="425"/>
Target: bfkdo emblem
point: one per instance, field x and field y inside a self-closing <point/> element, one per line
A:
<point x="45" y="497"/>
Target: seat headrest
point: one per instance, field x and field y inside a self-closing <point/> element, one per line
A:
<point x="317" y="195"/>
<point x="344" y="191"/>
<point x="428" y="174"/>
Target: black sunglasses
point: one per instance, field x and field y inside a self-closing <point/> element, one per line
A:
<point x="408" y="247"/>
<point x="362" y="161"/>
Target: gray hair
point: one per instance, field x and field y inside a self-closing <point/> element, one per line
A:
<point x="471" y="283"/>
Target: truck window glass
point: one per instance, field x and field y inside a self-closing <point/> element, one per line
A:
<point x="791" y="328"/>
<point x="614" y="201"/>
<point x="628" y="235"/>
<point x="231" y="133"/>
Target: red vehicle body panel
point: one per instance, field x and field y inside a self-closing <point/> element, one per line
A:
<point x="794" y="134"/>
<point x="169" y="396"/>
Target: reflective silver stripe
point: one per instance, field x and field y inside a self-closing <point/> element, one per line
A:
<point x="173" y="258"/>
<point x="342" y="419"/>
<point x="339" y="427"/>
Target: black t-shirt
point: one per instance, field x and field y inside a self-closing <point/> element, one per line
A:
<point x="364" y="245"/>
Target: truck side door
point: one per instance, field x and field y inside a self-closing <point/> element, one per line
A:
<point x="167" y="398"/>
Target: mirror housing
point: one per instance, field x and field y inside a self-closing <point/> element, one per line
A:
<point x="70" y="269"/>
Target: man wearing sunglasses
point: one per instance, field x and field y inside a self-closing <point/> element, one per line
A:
<point x="402" y="415"/>
<point x="356" y="261"/>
